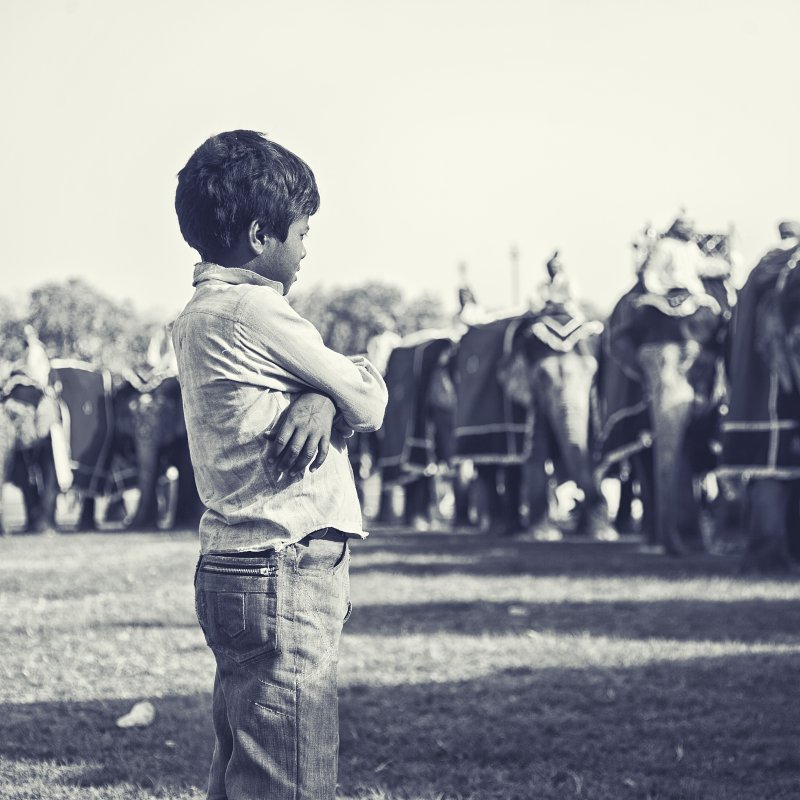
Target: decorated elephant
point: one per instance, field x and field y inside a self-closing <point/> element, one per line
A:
<point x="28" y="414"/>
<point x="493" y="432"/>
<point x="550" y="371"/>
<point x="524" y="399"/>
<point x="659" y="389"/>
<point x="415" y="444"/>
<point x="150" y="433"/>
<point x="126" y="433"/>
<point x="761" y="431"/>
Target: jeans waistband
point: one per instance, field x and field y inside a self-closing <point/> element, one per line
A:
<point x="331" y="534"/>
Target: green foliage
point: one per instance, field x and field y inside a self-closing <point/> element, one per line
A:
<point x="349" y="317"/>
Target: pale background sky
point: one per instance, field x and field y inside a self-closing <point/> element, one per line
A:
<point x="438" y="131"/>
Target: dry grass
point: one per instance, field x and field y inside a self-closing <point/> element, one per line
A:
<point x="471" y="668"/>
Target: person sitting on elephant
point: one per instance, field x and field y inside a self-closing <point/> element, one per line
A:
<point x="469" y="311"/>
<point x="37" y="362"/>
<point x="557" y="294"/>
<point x="676" y="262"/>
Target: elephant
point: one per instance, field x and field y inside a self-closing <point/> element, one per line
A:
<point x="149" y="431"/>
<point x="522" y="404"/>
<point x="493" y="433"/>
<point x="415" y="443"/>
<point x="550" y="371"/>
<point x="660" y="389"/>
<point x="761" y="432"/>
<point x="28" y="412"/>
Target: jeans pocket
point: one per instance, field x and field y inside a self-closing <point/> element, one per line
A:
<point x="322" y="555"/>
<point x="237" y="608"/>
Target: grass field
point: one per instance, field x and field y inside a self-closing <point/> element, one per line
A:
<point x="471" y="668"/>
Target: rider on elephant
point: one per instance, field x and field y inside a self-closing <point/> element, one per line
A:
<point x="660" y="376"/>
<point x="676" y="262"/>
<point x="761" y="431"/>
<point x="558" y="292"/>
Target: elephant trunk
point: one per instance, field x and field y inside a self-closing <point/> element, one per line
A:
<point x="567" y="406"/>
<point x="672" y="396"/>
<point x="567" y="401"/>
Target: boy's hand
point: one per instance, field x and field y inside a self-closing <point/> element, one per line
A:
<point x="304" y="430"/>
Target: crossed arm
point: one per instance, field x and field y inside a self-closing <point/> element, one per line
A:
<point x="344" y="393"/>
<point x="303" y="435"/>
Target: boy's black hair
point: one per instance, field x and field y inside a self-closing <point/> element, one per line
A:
<point x="234" y="178"/>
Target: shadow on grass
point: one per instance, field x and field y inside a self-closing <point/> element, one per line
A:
<point x="683" y="620"/>
<point x="709" y="728"/>
<point x="171" y="754"/>
<point x="409" y="553"/>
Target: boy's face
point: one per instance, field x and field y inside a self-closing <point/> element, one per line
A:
<point x="280" y="261"/>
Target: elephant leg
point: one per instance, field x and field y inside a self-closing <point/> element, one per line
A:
<point x="482" y="491"/>
<point x="793" y="520"/>
<point x="40" y="493"/>
<point x="86" y="518"/>
<point x="767" y="546"/>
<point x="504" y="500"/>
<point x="6" y="465"/>
<point x="385" y="511"/>
<point x="537" y="486"/>
<point x="538" y="497"/>
<point x="462" y="478"/>
<point x="645" y="478"/>
<point x="418" y="496"/>
<point x="623" y="520"/>
<point x="688" y="506"/>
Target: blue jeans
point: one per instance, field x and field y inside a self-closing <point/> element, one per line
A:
<point x="273" y="622"/>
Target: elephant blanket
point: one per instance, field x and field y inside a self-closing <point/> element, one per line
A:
<point x="407" y="440"/>
<point x="85" y="396"/>
<point x="761" y="431"/>
<point x="490" y="427"/>
<point x="622" y="418"/>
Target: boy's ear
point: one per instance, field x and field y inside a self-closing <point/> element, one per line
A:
<point x="257" y="237"/>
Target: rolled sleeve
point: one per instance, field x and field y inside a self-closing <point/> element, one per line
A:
<point x="271" y="331"/>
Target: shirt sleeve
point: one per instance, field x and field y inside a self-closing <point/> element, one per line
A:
<point x="271" y="328"/>
<point x="659" y="261"/>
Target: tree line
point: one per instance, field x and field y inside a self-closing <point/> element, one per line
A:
<point x="75" y="320"/>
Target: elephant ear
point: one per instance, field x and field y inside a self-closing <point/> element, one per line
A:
<point x="789" y="299"/>
<point x="771" y="339"/>
<point x="513" y="376"/>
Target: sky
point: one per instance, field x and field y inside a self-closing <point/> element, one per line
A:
<point x="440" y="132"/>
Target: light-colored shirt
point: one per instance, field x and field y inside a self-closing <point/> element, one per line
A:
<point x="677" y="264"/>
<point x="243" y="353"/>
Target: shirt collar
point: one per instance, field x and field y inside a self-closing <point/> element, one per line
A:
<point x="206" y="271"/>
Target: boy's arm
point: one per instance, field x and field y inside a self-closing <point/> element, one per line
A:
<point x="304" y="430"/>
<point x="277" y="331"/>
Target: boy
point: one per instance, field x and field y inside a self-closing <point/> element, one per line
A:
<point x="262" y="397"/>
